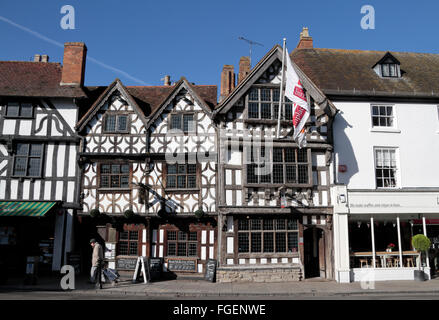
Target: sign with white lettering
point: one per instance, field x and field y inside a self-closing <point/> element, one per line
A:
<point x="182" y="265"/>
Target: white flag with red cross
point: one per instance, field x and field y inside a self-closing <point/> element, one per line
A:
<point x="295" y="92"/>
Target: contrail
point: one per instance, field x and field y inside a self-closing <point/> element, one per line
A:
<point x="59" y="44"/>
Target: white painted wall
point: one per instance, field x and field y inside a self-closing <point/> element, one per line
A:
<point x="416" y="136"/>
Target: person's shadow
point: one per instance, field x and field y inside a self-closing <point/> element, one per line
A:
<point x="343" y="150"/>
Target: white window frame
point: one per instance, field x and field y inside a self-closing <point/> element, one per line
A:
<point x="397" y="174"/>
<point x="393" y="128"/>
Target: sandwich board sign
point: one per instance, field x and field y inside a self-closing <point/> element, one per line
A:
<point x="142" y="268"/>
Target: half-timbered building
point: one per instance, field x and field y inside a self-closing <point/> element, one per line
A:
<point x="39" y="186"/>
<point x="275" y="209"/>
<point x="149" y="164"/>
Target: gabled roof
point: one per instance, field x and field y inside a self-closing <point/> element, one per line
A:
<point x="35" y="79"/>
<point x="208" y="92"/>
<point x="350" y="73"/>
<point x="274" y="54"/>
<point x="103" y="98"/>
<point x="387" y="57"/>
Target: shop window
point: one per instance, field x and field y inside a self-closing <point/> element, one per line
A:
<point x="182" y="244"/>
<point x="28" y="160"/>
<point x="181" y="176"/>
<point x="267" y="235"/>
<point x="114" y="176"/>
<point x="385" y="167"/>
<point x="277" y="166"/>
<point x="128" y="243"/>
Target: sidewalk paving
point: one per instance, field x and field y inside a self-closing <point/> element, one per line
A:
<point x="200" y="288"/>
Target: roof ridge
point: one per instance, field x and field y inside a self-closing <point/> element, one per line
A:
<point x="361" y="50"/>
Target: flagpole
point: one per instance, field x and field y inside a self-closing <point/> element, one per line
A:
<point x="281" y="90"/>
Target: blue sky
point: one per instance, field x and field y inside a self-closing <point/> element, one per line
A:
<point x="148" y="39"/>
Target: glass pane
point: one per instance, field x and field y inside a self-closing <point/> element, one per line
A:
<point x="105" y="168"/>
<point x="253" y="95"/>
<point x="133" y="248"/>
<point x="34" y="167"/>
<point x="13" y="109"/>
<point x="302" y="155"/>
<point x="375" y="121"/>
<point x="243" y="225"/>
<point x="191" y="168"/>
<point x="181" y="249"/>
<point x="176" y="121"/>
<point x="123" y="123"/>
<point x="278" y="173"/>
<point x="182" y="236"/>
<point x="171" y="182"/>
<point x="255" y="224"/>
<point x="382" y="111"/>
<point x="192" y="252"/>
<point x="385" y="70"/>
<point x="172" y="235"/>
<point x="277" y="154"/>
<point x="20" y="166"/>
<point x="110" y="123"/>
<point x="251" y="173"/>
<point x="191" y="181"/>
<point x="105" y="181"/>
<point x="26" y="110"/>
<point x="268" y="224"/>
<point x="188" y="123"/>
<point x="276" y="95"/>
<point x="375" y="110"/>
<point x="124" y="182"/>
<point x="265" y="94"/>
<point x="193" y="236"/>
<point x="268" y="242"/>
<point x="281" y="242"/>
<point x="172" y="168"/>
<point x="181" y="181"/>
<point x="288" y="112"/>
<point x="123" y="248"/>
<point x="292" y="224"/>
<point x="172" y="249"/>
<point x="243" y="242"/>
<point x="256" y="242"/>
<point x="181" y="168"/>
<point x="253" y="110"/>
<point x="36" y="150"/>
<point x="275" y="110"/>
<point x="125" y="168"/>
<point x="392" y="68"/>
<point x="114" y="181"/>
<point x="265" y="111"/>
<point x="289" y="155"/>
<point x="115" y="168"/>
<point x="123" y="235"/>
<point x="134" y="235"/>
<point x="291" y="174"/>
<point x="303" y="173"/>
<point x="280" y="224"/>
<point x="22" y="149"/>
<point x="292" y="242"/>
<point x="389" y="110"/>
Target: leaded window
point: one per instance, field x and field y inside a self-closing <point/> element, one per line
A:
<point x="277" y="165"/>
<point x="183" y="121"/>
<point x="114" y="175"/>
<point x="267" y="235"/>
<point x="19" y="110"/>
<point x="181" y="176"/>
<point x="182" y="244"/>
<point x="128" y="243"/>
<point x="263" y="103"/>
<point x="116" y="123"/>
<point x="28" y="159"/>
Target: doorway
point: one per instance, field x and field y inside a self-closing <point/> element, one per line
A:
<point x="314" y="253"/>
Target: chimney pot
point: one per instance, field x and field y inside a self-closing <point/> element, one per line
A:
<point x="44" y="58"/>
<point x="227" y="81"/>
<point x="167" y="80"/>
<point x="244" y="68"/>
<point x="305" y="41"/>
<point x="37" y="58"/>
<point x="73" y="70"/>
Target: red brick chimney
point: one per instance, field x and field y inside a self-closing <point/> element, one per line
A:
<point x="305" y="41"/>
<point x="244" y="68"/>
<point x="73" y="70"/>
<point x="227" y="81"/>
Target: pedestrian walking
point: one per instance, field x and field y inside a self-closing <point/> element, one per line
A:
<point x="97" y="261"/>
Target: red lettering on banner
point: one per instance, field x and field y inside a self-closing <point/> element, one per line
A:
<point x="298" y="92"/>
<point x="298" y="115"/>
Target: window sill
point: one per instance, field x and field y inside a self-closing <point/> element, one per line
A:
<point x="19" y="118"/>
<point x="182" y="190"/>
<point x="390" y="130"/>
<point x="114" y="190"/>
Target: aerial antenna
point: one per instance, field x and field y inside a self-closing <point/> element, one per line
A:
<point x="250" y="42"/>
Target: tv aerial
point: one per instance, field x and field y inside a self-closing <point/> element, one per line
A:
<point x="251" y="43"/>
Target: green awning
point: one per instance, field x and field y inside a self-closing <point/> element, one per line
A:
<point x="25" y="208"/>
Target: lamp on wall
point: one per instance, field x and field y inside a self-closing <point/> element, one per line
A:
<point x="342" y="198"/>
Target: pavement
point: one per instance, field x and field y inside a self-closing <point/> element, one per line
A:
<point x="187" y="288"/>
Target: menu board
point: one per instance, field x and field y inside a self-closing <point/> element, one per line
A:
<point x="210" y="270"/>
<point x="126" y="263"/>
<point x="155" y="268"/>
<point x="182" y="265"/>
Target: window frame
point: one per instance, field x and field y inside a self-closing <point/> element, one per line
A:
<point x="129" y="241"/>
<point x="41" y="157"/>
<point x="389" y="65"/>
<point x="177" y="189"/>
<point x="396" y="173"/>
<point x="182" y="114"/>
<point x="378" y="116"/>
<point x="110" y="189"/>
<point x="117" y="115"/>
<point x="262" y="231"/>
<point x="284" y="168"/>
<point x="20" y="103"/>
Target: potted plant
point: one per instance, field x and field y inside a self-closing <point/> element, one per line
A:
<point x="390" y="247"/>
<point x="94" y="213"/>
<point x="199" y="213"/>
<point x="128" y="213"/>
<point x="420" y="243"/>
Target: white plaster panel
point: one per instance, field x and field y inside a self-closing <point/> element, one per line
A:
<point x="25" y="127"/>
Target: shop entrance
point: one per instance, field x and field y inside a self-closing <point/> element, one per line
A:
<point x="314" y="253"/>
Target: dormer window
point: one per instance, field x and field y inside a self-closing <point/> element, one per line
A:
<point x="388" y="67"/>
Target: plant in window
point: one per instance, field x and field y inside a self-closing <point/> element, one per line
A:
<point x="390" y="246"/>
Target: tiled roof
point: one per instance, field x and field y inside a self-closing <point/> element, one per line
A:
<point x="349" y="72"/>
<point x="34" y="79"/>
